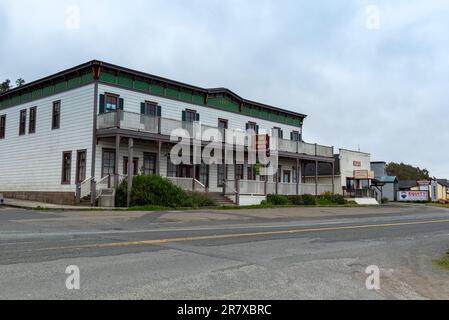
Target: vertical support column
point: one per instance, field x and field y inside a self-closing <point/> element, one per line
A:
<point x="130" y="169"/>
<point x="333" y="177"/>
<point x="93" y="195"/>
<point x="238" y="191"/>
<point x="159" y="152"/>
<point x="117" y="157"/>
<point x="297" y="176"/>
<point x="316" y="177"/>
<point x="194" y="176"/>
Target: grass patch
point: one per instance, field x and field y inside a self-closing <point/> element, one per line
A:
<point x="443" y="263"/>
<point x="441" y="205"/>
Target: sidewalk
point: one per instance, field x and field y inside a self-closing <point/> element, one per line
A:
<point x="25" y="204"/>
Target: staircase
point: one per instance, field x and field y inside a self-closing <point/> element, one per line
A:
<point x="220" y="199"/>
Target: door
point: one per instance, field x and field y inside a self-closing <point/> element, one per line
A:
<point x="287" y="176"/>
<point x="202" y="174"/>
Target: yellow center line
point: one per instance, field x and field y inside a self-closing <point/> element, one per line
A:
<point x="236" y="235"/>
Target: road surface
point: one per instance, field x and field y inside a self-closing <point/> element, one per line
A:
<point x="316" y="253"/>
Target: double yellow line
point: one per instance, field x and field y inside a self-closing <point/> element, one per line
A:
<point x="242" y="235"/>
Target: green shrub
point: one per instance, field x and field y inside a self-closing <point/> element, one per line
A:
<point x="197" y="199"/>
<point x="121" y="194"/>
<point x="278" y="200"/>
<point x="385" y="200"/>
<point x="309" y="200"/>
<point x="296" y="200"/>
<point x="329" y="198"/>
<point x="155" y="190"/>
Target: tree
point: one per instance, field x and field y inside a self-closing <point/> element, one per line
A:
<point x="5" y="85"/>
<point x="407" y="172"/>
<point x="20" y="82"/>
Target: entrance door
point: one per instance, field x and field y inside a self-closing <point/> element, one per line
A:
<point x="202" y="174"/>
<point x="287" y="176"/>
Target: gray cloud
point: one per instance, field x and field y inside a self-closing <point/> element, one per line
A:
<point x="385" y="90"/>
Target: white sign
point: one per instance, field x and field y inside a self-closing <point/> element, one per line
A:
<point x="413" y="196"/>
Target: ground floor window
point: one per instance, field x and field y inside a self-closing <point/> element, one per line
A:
<point x="66" y="167"/>
<point x="81" y="162"/>
<point x="239" y="172"/>
<point x="287" y="176"/>
<point x="252" y="173"/>
<point x="149" y="164"/>
<point x="171" y="168"/>
<point x="294" y="175"/>
<point x="108" y="167"/>
<point x="220" y="175"/>
<point x="203" y="174"/>
<point x="135" y="166"/>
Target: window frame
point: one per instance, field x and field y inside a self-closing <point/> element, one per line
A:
<point x="56" y="115"/>
<point x="32" y="121"/>
<point x="22" y="122"/>
<point x="135" y="166"/>
<point x="63" y="171"/>
<point x="3" y="126"/>
<point x="152" y="157"/>
<point x="298" y="136"/>
<point x="78" y="166"/>
<point x="111" y="96"/>
<point x="104" y="151"/>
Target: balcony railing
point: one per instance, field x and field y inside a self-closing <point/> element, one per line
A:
<point x="165" y="126"/>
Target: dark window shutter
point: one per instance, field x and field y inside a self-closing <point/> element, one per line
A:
<point x="102" y="104"/>
<point x="121" y="104"/>
<point x="184" y="116"/>
<point x="281" y="134"/>
<point x="142" y="108"/>
<point x="291" y="136"/>
<point x="247" y="126"/>
<point x="257" y="129"/>
<point x="198" y="117"/>
<point x="159" y="111"/>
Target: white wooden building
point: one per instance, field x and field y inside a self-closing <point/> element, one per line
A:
<point x="70" y="135"/>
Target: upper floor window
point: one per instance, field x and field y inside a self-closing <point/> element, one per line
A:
<point x="151" y="109"/>
<point x="110" y="102"/>
<point x="278" y="133"/>
<point x="222" y="123"/>
<point x="295" y="136"/>
<point x="252" y="126"/>
<point x="32" y="124"/>
<point x="190" y="116"/>
<point x="22" y="122"/>
<point x="2" y="126"/>
<point x="56" y="116"/>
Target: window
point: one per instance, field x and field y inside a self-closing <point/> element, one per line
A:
<point x="32" y="124"/>
<point x="287" y="176"/>
<point x="278" y="133"/>
<point x="150" y="109"/>
<point x="295" y="136"/>
<point x="108" y="163"/>
<point x="190" y="116"/>
<point x="111" y="103"/>
<point x="294" y="175"/>
<point x="2" y="127"/>
<point x="203" y="174"/>
<point x="222" y="124"/>
<point x="56" y="117"/>
<point x="220" y="175"/>
<point x="171" y="168"/>
<point x="81" y="166"/>
<point x="135" y="166"/>
<point x="252" y="173"/>
<point x="252" y="126"/>
<point x="149" y="164"/>
<point x="239" y="172"/>
<point x="22" y="122"/>
<point x="66" y="167"/>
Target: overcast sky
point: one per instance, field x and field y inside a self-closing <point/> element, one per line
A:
<point x="380" y="82"/>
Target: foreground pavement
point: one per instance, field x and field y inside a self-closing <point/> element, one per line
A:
<point x="313" y="253"/>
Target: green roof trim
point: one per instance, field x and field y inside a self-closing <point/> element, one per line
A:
<point x="219" y="98"/>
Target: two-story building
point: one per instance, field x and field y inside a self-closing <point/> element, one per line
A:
<point x="77" y="133"/>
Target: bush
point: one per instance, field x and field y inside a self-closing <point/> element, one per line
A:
<point x="296" y="200"/>
<point x="153" y="190"/>
<point x="331" y="199"/>
<point x="309" y="200"/>
<point x="278" y="200"/>
<point x="385" y="200"/>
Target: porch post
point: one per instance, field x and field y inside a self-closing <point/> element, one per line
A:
<point x="278" y="178"/>
<point x="117" y="157"/>
<point x="194" y="176"/>
<point x="159" y="151"/>
<point x="238" y="192"/>
<point x="297" y="176"/>
<point x="316" y="177"/>
<point x="130" y="169"/>
<point x="333" y="177"/>
<point x="93" y="196"/>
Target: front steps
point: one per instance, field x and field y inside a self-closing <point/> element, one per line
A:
<point x="366" y="201"/>
<point x="220" y="199"/>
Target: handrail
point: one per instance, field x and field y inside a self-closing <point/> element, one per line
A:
<point x="98" y="191"/>
<point x="85" y="188"/>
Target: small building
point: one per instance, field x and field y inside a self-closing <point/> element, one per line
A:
<point x="387" y="186"/>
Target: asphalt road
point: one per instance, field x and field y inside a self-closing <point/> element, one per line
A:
<point x="243" y="254"/>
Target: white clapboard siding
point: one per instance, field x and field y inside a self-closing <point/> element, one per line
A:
<point x="172" y="109"/>
<point x="33" y="162"/>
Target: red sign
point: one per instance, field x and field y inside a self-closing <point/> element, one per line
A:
<point x="357" y="164"/>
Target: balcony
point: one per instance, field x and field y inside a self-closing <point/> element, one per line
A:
<point x="164" y="126"/>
